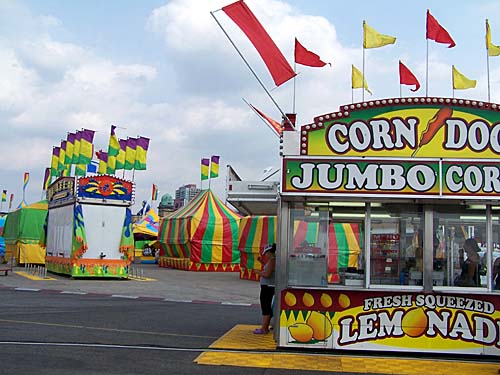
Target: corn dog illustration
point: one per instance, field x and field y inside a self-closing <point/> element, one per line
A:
<point x="433" y="126"/>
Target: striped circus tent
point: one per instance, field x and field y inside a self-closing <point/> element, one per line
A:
<point x="344" y="244"/>
<point x="201" y="236"/>
<point x="254" y="233"/>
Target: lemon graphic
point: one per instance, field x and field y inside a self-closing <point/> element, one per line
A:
<point x="344" y="301"/>
<point x="414" y="322"/>
<point x="290" y="299"/>
<point x="301" y="332"/>
<point x="326" y="300"/>
<point x="320" y="324"/>
<point x="308" y="299"/>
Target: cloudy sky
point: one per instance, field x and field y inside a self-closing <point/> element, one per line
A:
<point x="165" y="70"/>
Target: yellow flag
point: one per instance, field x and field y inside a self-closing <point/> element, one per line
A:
<point x="358" y="81"/>
<point x="373" y="39"/>
<point x="493" y="50"/>
<point x="461" y="82"/>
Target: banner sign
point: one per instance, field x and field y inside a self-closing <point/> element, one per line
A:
<point x="61" y="191"/>
<point x="105" y="187"/>
<point x="370" y="177"/>
<point x="395" y="321"/>
<point x="407" y="128"/>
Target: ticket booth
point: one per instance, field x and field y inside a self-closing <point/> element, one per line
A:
<point x="415" y="182"/>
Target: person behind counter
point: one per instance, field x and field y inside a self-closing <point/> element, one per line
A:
<point x="470" y="266"/>
<point x="267" y="287"/>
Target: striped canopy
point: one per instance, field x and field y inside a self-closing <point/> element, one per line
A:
<point x="205" y="232"/>
<point x="2" y="241"/>
<point x="254" y="233"/>
<point x="147" y="226"/>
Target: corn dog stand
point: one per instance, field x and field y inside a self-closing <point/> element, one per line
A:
<point x="415" y="177"/>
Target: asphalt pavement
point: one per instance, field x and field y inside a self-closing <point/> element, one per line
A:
<point x="148" y="281"/>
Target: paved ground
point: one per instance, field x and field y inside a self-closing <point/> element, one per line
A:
<point x="165" y="283"/>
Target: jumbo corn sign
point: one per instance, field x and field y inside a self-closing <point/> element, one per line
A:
<point x="396" y="321"/>
<point x="428" y="147"/>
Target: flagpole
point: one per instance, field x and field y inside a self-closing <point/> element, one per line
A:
<point x="452" y="83"/>
<point x="488" y="63"/>
<point x="264" y="121"/>
<point x="427" y="70"/>
<point x="295" y="71"/>
<point x="363" y="94"/>
<point x="253" y="72"/>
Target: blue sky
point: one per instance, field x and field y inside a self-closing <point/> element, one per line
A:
<point x="164" y="69"/>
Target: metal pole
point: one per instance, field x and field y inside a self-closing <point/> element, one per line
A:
<point x="294" y="78"/>
<point x="254" y="74"/>
<point x="488" y="64"/>
<point x="427" y="70"/>
<point x="363" y="84"/>
<point x="264" y="121"/>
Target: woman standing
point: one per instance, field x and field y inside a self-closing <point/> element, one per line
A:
<point x="267" y="287"/>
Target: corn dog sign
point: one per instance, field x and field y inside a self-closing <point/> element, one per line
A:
<point x="412" y="147"/>
<point x="408" y="127"/>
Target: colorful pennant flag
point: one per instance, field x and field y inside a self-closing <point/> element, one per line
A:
<point x="461" y="82"/>
<point x="205" y="164"/>
<point x="62" y="156"/>
<point x="358" y="81"/>
<point x="373" y="39"/>
<point x="275" y="125"/>
<point x="437" y="33"/>
<point x="103" y="162"/>
<point x="76" y="147"/>
<point x="276" y="63"/>
<point x="54" y="165"/>
<point x="46" y="179"/>
<point x="214" y="166"/>
<point x="493" y="50"/>
<point x="154" y="194"/>
<point x="120" y="158"/>
<point x="141" y="150"/>
<point x="306" y="57"/>
<point x="80" y="169"/>
<point x="86" y="146"/>
<point x="4" y="196"/>
<point x="26" y="180"/>
<point x="130" y="153"/>
<point x="10" y="201"/>
<point x="406" y="77"/>
<point x="70" y="144"/>
<point x="113" y="150"/>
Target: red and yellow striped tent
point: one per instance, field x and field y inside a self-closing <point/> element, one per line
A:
<point x="201" y="236"/>
<point x="253" y="234"/>
<point x="256" y="231"/>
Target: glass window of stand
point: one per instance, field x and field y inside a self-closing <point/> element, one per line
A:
<point x="460" y="243"/>
<point x="326" y="244"/>
<point x="396" y="244"/>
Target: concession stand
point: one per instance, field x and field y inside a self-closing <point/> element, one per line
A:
<point x="410" y="180"/>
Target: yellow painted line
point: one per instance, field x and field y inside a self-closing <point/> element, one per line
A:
<point x="33" y="277"/>
<point x="141" y="278"/>
<point x="241" y="337"/>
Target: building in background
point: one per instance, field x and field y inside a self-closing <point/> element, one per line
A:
<point x="166" y="205"/>
<point x="184" y="194"/>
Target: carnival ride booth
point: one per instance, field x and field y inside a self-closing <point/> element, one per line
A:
<point x="146" y="238"/>
<point x="22" y="233"/>
<point x="201" y="236"/>
<point x="415" y="184"/>
<point x="89" y="227"/>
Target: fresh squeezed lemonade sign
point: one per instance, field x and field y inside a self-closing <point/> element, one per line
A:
<point x="423" y="148"/>
<point x="355" y="320"/>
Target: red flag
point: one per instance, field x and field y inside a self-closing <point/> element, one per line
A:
<point x="406" y="77"/>
<point x="274" y="124"/>
<point x="305" y="57"/>
<point x="242" y="16"/>
<point x="437" y="32"/>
